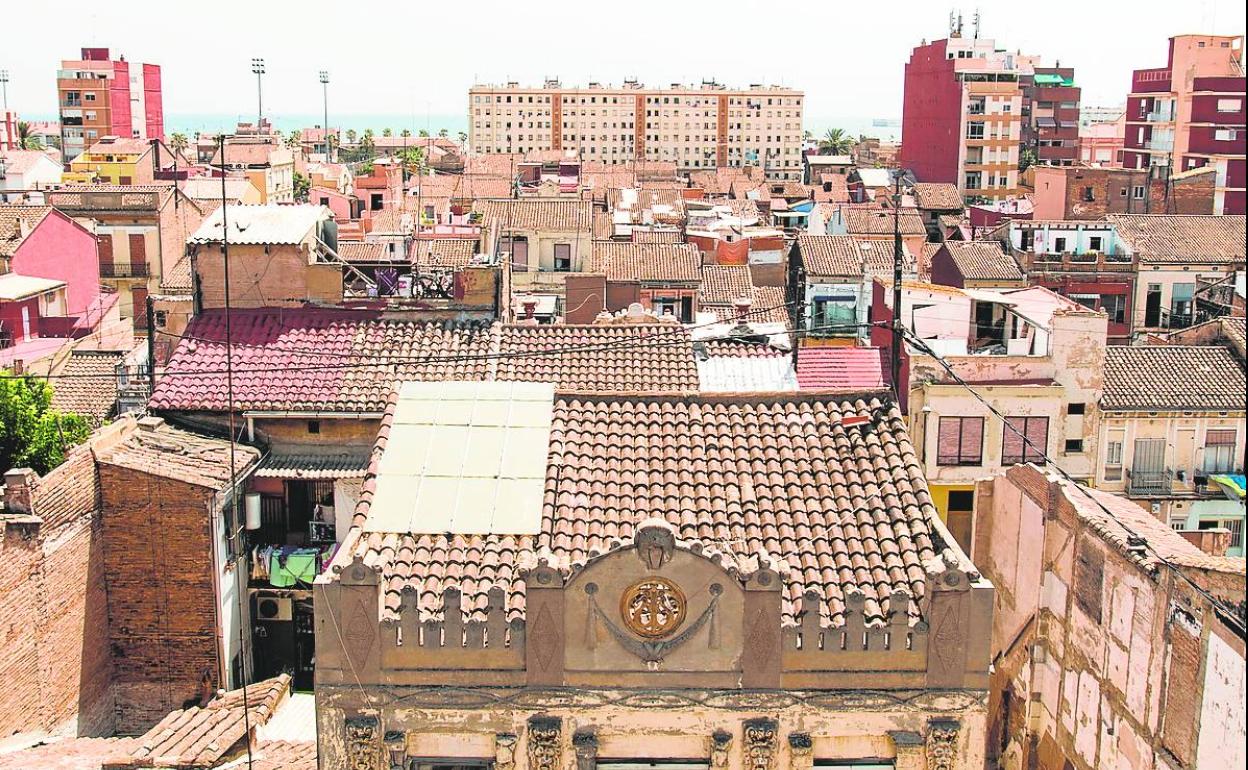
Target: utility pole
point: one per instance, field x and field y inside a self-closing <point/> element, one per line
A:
<point x="257" y="67"/>
<point x="897" y="269"/>
<point x="4" y="85"/>
<point x="324" y="77"/>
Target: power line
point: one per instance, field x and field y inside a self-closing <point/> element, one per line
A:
<point x="1133" y="538"/>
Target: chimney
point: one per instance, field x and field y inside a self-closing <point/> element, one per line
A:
<point x="742" y="306"/>
<point x="530" y="307"/>
<point x="18" y="486"/>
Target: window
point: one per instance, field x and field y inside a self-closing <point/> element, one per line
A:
<point x="975" y="131"/>
<point x="1113" y="460"/>
<point x="1115" y="306"/>
<point x="1137" y="192"/>
<point x="1225" y="135"/>
<point x="960" y="441"/>
<point x="1074" y="446"/>
<point x="1076" y="408"/>
<point x="1229" y="105"/>
<point x="1059" y="245"/>
<point x="1014" y="449"/>
<point x="1087" y="195"/>
<point x="314" y="426"/>
<point x="834" y="312"/>
<point x="1094" y="242"/>
<point x="1219" y="450"/>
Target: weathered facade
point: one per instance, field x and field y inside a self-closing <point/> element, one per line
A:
<point x="712" y="632"/>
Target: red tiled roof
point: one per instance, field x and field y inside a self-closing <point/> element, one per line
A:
<point x="847" y="256"/>
<point x="724" y="284"/>
<point x="861" y="220"/>
<point x="653" y="262"/>
<point x="752" y="479"/>
<point x="1199" y="239"/>
<point x="444" y="252"/>
<point x="984" y="260"/>
<point x="1164" y="377"/>
<point x="327" y="360"/>
<point x="941" y="196"/>
<point x="551" y="214"/>
<point x="602" y="358"/>
<point x="87" y="384"/>
<point x="16" y="224"/>
<point x="839" y="368"/>
<point x="837" y="192"/>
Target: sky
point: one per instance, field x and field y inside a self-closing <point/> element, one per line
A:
<point x="413" y="59"/>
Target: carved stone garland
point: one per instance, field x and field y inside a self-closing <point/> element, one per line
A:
<point x="544" y="749"/>
<point x="942" y="744"/>
<point x="760" y="744"/>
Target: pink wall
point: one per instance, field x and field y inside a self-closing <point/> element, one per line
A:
<point x="154" y="110"/>
<point x="61" y="249"/>
<point x="119" y="99"/>
<point x="931" y="119"/>
<point x="336" y="201"/>
<point x="11" y="318"/>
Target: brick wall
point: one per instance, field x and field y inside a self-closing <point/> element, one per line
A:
<point x="54" y="655"/>
<point x="161" y="601"/>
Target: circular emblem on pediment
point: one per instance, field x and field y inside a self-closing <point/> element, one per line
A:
<point x="653" y="607"/>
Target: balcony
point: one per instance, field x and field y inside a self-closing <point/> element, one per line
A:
<point x="123" y="270"/>
<point x="1146" y="483"/>
<point x="1159" y="116"/>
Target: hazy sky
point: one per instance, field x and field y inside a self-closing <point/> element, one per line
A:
<point x="401" y="58"/>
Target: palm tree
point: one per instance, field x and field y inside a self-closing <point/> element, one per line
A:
<point x="351" y="136"/>
<point x="178" y="142"/>
<point x="387" y="132"/>
<point x="294" y="139"/>
<point x="424" y="133"/>
<point x="26" y="138"/>
<point x="463" y="138"/>
<point x="443" y="133"/>
<point x="405" y="133"/>
<point x="835" y="142"/>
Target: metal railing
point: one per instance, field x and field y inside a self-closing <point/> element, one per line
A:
<point x="123" y="270"/>
<point x="1149" y="482"/>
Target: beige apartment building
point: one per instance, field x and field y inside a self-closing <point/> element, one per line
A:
<point x="696" y="127"/>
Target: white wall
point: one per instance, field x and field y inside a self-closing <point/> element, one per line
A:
<point x="1222" y="714"/>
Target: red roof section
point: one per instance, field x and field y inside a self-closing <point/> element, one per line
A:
<point x="841" y="368"/>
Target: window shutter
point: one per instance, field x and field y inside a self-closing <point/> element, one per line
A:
<point x="1220" y="436"/>
<point x="138" y="249"/>
<point x="972" y="440"/>
<point x="105" y="248"/>
<point x="1011" y="442"/>
<point x="1038" y="434"/>
<point x="948" y="440"/>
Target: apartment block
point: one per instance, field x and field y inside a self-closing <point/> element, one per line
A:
<point x="1051" y="115"/>
<point x="962" y="115"/>
<point x="1190" y="114"/>
<point x="695" y="127"/>
<point x="98" y="96"/>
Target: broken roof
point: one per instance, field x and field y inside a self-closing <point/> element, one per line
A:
<point x="159" y="449"/>
<point x="261" y="224"/>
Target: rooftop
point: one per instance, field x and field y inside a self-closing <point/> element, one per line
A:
<point x="840" y="368"/>
<point x="554" y="214"/>
<point x="983" y="261"/>
<point x="157" y="448"/>
<point x="655" y="262"/>
<point x="1194" y="238"/>
<point x="752" y="480"/>
<point x="940" y="196"/>
<point x="16" y="223"/>
<point x="260" y="224"/>
<point x="863" y="220"/>
<point x="1173" y="377"/>
<point x="846" y="256"/>
<point x="87" y="384"/>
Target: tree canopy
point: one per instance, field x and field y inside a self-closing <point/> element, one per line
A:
<point x="32" y="433"/>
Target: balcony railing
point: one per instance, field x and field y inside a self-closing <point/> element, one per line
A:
<point x="1149" y="482"/>
<point x="123" y="270"/>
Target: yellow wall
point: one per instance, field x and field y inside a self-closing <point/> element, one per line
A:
<point x="940" y="496"/>
<point x="88" y="167"/>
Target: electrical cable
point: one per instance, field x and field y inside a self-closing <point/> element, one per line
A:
<point x="1133" y="537"/>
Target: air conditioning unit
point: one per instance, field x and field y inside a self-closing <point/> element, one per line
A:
<point x="273" y="608"/>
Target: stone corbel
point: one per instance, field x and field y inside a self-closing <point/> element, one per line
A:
<point x="505" y="751"/>
<point x="544" y="750"/>
<point x="721" y="744"/>
<point x="585" y="745"/>
<point x="396" y="749"/>
<point x="909" y="746"/>
<point x="942" y="743"/>
<point x="363" y="742"/>
<point x="759" y="744"/>
<point x="801" y="751"/>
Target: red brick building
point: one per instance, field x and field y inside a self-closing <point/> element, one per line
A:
<point x="1051" y="115"/>
<point x="1091" y="192"/>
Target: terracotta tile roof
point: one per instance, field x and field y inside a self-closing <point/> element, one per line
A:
<point x="647" y="198"/>
<point x="736" y="347"/>
<point x="201" y="737"/>
<point x="87" y="384"/>
<point x="839" y="368"/>
<point x="22" y="161"/>
<point x="860" y="220"/>
<point x="157" y="448"/>
<point x="604" y="227"/>
<point x="846" y="256"/>
<point x="365" y="251"/>
<point x="314" y="359"/>
<point x="1167" y="377"/>
<point x="755" y="480"/>
<point x="1198" y="239"/>
<point x="529" y="214"/>
<point x="285" y="755"/>
<point x="494" y="163"/>
<point x="605" y="358"/>
<point x="837" y="192"/>
<point x="444" y="252"/>
<point x="655" y="236"/>
<point x="70" y="754"/>
<point x="461" y="186"/>
<point x="69" y="491"/>
<point x="176" y="276"/>
<point x="391" y="221"/>
<point x="984" y="260"/>
<point x="1233" y="330"/>
<point x="924" y="267"/>
<point x="941" y="196"/>
<point x="652" y="262"/>
<point x="16" y="219"/>
<point x="118" y="145"/>
<point x="724" y="284"/>
<point x="767" y="306"/>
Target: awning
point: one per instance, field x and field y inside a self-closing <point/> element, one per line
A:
<point x="1232" y="484"/>
<point x="1046" y="122"/>
<point x="280" y="465"/>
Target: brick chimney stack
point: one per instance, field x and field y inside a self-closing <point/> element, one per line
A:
<point x="18" y="487"/>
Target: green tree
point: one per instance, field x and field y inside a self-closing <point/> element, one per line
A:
<point x="294" y="139"/>
<point x="387" y="132"/>
<point x="835" y="142"/>
<point x="412" y="159"/>
<point x="303" y="186"/>
<point x="368" y="149"/>
<point x="178" y="142"/>
<point x="405" y="133"/>
<point x="424" y="133"/>
<point x="442" y="132"/>
<point x="32" y="433"/>
<point x="26" y="138"/>
<point x="1026" y="159"/>
<point x="352" y="136"/>
<point x="463" y="138"/>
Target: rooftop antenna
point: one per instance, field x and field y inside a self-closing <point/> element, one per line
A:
<point x="977" y="24"/>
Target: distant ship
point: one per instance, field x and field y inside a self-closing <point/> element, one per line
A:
<point x="885" y="123"/>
